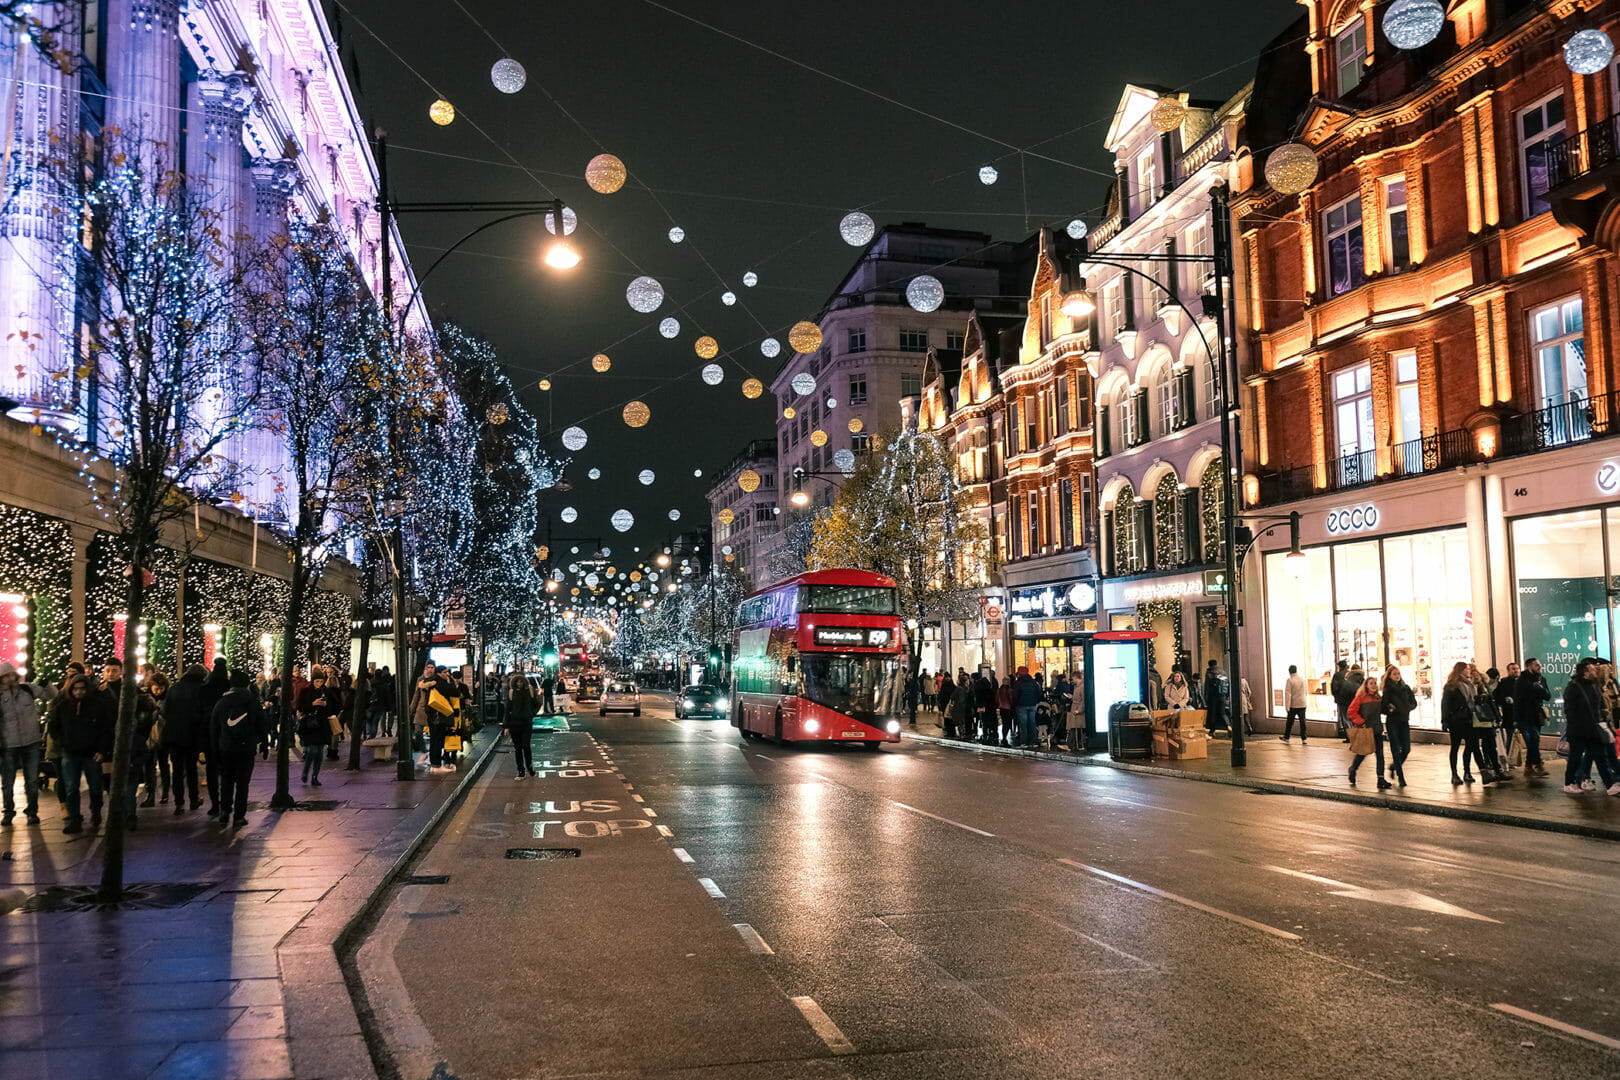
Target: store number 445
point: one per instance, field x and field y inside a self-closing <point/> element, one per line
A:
<point x="1519" y="493"/>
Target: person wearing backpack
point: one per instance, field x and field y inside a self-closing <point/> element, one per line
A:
<point x="520" y="711"/>
<point x="317" y="707"/>
<point x="239" y="724"/>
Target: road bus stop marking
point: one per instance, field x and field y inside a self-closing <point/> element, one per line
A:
<point x="823" y="1026"/>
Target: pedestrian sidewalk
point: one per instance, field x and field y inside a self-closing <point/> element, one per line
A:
<point x="1319" y="768"/>
<point x="224" y="965"/>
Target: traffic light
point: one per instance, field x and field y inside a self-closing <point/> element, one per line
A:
<point x="548" y="656"/>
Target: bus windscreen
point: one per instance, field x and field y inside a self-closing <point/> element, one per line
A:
<point x="848" y="600"/>
<point x="865" y="687"/>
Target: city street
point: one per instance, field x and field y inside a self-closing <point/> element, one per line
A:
<point x="753" y="910"/>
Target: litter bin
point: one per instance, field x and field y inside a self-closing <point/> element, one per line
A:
<point x="1130" y="730"/>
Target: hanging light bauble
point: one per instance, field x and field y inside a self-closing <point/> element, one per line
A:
<point x="857" y="229"/>
<point x="832" y="403"/>
<point x="605" y="174"/>
<point x="788" y="412"/>
<point x="748" y="480"/>
<point x="674" y="515"/>
<point x="750" y="279"/>
<point x="441" y="112"/>
<point x="770" y="348"/>
<point x="805" y="337"/>
<point x="728" y="298"/>
<point x="1291" y="168"/>
<point x="856" y="425"/>
<point x="1168" y="113"/>
<point x="601" y="361"/>
<point x="988" y="175"/>
<point x="706" y="347"/>
<point x="646" y="477"/>
<point x="574" y="438"/>
<point x="1076" y="229"/>
<point x="713" y="374"/>
<point x="497" y="413"/>
<point x="1412" y="24"/>
<point x="545" y="384"/>
<point x="676" y="234"/>
<point x="645" y="294"/>
<point x="670" y="327"/>
<point x="568" y="514"/>
<point x="818" y="438"/>
<point x="635" y="575"/>
<point x="844" y="460"/>
<point x="804" y="383"/>
<point x="1588" y="52"/>
<point x="636" y="414"/>
<point x="595" y="474"/>
<point x="726" y="516"/>
<point x="508" y="76"/>
<point x="752" y="388"/>
<point x="623" y="520"/>
<point x="924" y="293"/>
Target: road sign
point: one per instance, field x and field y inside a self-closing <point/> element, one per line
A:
<point x="1214" y="582"/>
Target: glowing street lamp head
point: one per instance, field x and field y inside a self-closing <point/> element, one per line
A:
<point x="562" y="255"/>
<point x="799" y="498"/>
<point x="1078" y="304"/>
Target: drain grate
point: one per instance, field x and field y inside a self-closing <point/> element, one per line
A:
<point x="537" y="853"/>
<point x="428" y="879"/>
<point x="139" y="896"/>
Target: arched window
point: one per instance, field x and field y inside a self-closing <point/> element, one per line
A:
<point x="1133" y="525"/>
<point x="1167" y="528"/>
<point x="1212" y="502"/>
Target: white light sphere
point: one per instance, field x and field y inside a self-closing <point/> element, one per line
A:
<point x="674" y="515"/>
<point x="591" y="580"/>
<point x="1588" y="52"/>
<point x="646" y="476"/>
<point x="726" y="550"/>
<point x="804" y="383"/>
<point x="770" y="347"/>
<point x="1412" y="24"/>
<point x="832" y="403"/>
<point x="988" y="175"/>
<point x="713" y="374"/>
<point x="645" y="294"/>
<point x="670" y="327"/>
<point x="623" y="520"/>
<point x="924" y="293"/>
<point x="508" y="76"/>
<point x="857" y="229"/>
<point x="570" y="221"/>
<point x="750" y="279"/>
<point x="676" y="234"/>
<point x="595" y="474"/>
<point x="1076" y="229"/>
<point x="844" y="460"/>
<point x="568" y="514"/>
<point x="697" y="472"/>
<point x="574" y="438"/>
<point x="728" y="298"/>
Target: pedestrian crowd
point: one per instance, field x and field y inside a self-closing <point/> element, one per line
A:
<point x="1021" y="710"/>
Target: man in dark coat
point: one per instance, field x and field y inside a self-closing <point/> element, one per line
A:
<point x="219" y="681"/>
<point x="1530" y="695"/>
<point x="1215" y="703"/>
<point x="1026" y="696"/>
<point x="238" y="722"/>
<point x="1583" y="712"/>
<point x="185" y="733"/>
<point x="82" y="725"/>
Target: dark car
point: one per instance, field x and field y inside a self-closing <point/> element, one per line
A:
<point x="701" y="700"/>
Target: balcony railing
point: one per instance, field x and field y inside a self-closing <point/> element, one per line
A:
<point x="1564" y="424"/>
<point x="1586" y="152"/>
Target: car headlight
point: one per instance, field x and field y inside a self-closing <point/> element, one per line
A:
<point x="686" y="703"/>
<point x="723" y="705"/>
<point x="893" y="727"/>
<point x="812" y="726"/>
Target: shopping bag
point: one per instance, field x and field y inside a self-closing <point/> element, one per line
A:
<point x="1362" y="741"/>
<point x="336" y="723"/>
<point x="1563" y="746"/>
<point x="1515" y="754"/>
<point x="452" y="742"/>
<point x="439" y="703"/>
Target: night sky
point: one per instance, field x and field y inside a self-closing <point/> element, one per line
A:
<point x="756" y="158"/>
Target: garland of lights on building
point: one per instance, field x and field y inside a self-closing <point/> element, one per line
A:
<point x="36" y="593"/>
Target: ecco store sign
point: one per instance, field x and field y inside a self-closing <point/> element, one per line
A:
<point x="1352" y="519"/>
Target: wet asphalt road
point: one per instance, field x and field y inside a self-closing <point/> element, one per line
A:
<point x="746" y="910"/>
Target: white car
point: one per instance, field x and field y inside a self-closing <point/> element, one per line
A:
<point x="620" y="697"/>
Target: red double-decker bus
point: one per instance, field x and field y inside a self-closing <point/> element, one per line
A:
<point x="820" y="657"/>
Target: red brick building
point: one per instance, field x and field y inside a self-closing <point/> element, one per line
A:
<point x="1430" y="347"/>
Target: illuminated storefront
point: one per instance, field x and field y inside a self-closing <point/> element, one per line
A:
<point x="1047" y="620"/>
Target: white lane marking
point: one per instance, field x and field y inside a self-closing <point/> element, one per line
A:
<point x="638" y="798"/>
<point x="1407" y="898"/>
<point x="820" y="776"/>
<point x="711" y="888"/>
<point x="1217" y="912"/>
<point x="823" y="1026"/>
<point x="628" y="786"/>
<point x="649" y="811"/>
<point x="680" y="853"/>
<point x="756" y="944"/>
<point x="666" y="831"/>
<point x="767" y="757"/>
<point x="946" y="820"/>
<point x="1558" y="1025"/>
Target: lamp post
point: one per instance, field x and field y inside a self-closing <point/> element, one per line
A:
<point x="801" y="498"/>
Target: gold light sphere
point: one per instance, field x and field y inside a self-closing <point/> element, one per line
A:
<point x="731" y="557"/>
<point x="788" y="412"/>
<point x="1291" y="168"/>
<point x="855" y="425"/>
<point x="441" y="112"/>
<point x="726" y="516"/>
<point x="818" y="438"/>
<point x="805" y="337"/>
<point x="753" y="388"/>
<point x="605" y="174"/>
<point x="636" y="414"/>
<point x="635" y="575"/>
<point x="1168" y="113"/>
<point x="573" y="592"/>
<point x="707" y="347"/>
<point x="545" y="384"/>
<point x="601" y="361"/>
<point x="542" y="552"/>
<point x="748" y="480"/>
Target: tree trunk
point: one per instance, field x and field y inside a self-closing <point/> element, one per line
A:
<point x="282" y="799"/>
<point x="362" y="695"/>
<point x="112" y="865"/>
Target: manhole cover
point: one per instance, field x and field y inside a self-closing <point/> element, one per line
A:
<point x="142" y="895"/>
<point x="533" y="853"/>
<point x="428" y="879"/>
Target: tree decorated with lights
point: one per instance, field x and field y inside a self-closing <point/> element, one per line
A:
<point x="314" y="329"/>
<point x="165" y="361"/>
<point x="904" y="513"/>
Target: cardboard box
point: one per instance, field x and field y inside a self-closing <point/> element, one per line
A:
<point x="1165" y="719"/>
<point x="1188" y="743"/>
<point x="1161" y="743"/>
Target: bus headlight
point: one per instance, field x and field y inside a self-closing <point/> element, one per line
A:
<point x="893" y="727"/>
<point x="723" y="705"/>
<point x="812" y="726"/>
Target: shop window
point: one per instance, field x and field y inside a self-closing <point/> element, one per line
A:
<point x="1299" y="629"/>
<point x="1561" y="577"/>
<point x="1353" y="425"/>
<point x="1128" y="548"/>
<point x="1558" y="338"/>
<point x="1397" y="244"/>
<point x="1541" y="142"/>
<point x="1342" y="246"/>
<point x="1429" y="613"/>
<point x="1168" y="535"/>
<point x="1350" y="55"/>
<point x="1212" y="508"/>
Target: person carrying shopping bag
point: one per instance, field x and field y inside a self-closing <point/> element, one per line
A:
<point x="1366" y="717"/>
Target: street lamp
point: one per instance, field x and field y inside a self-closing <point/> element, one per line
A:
<point x="562" y="255"/>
